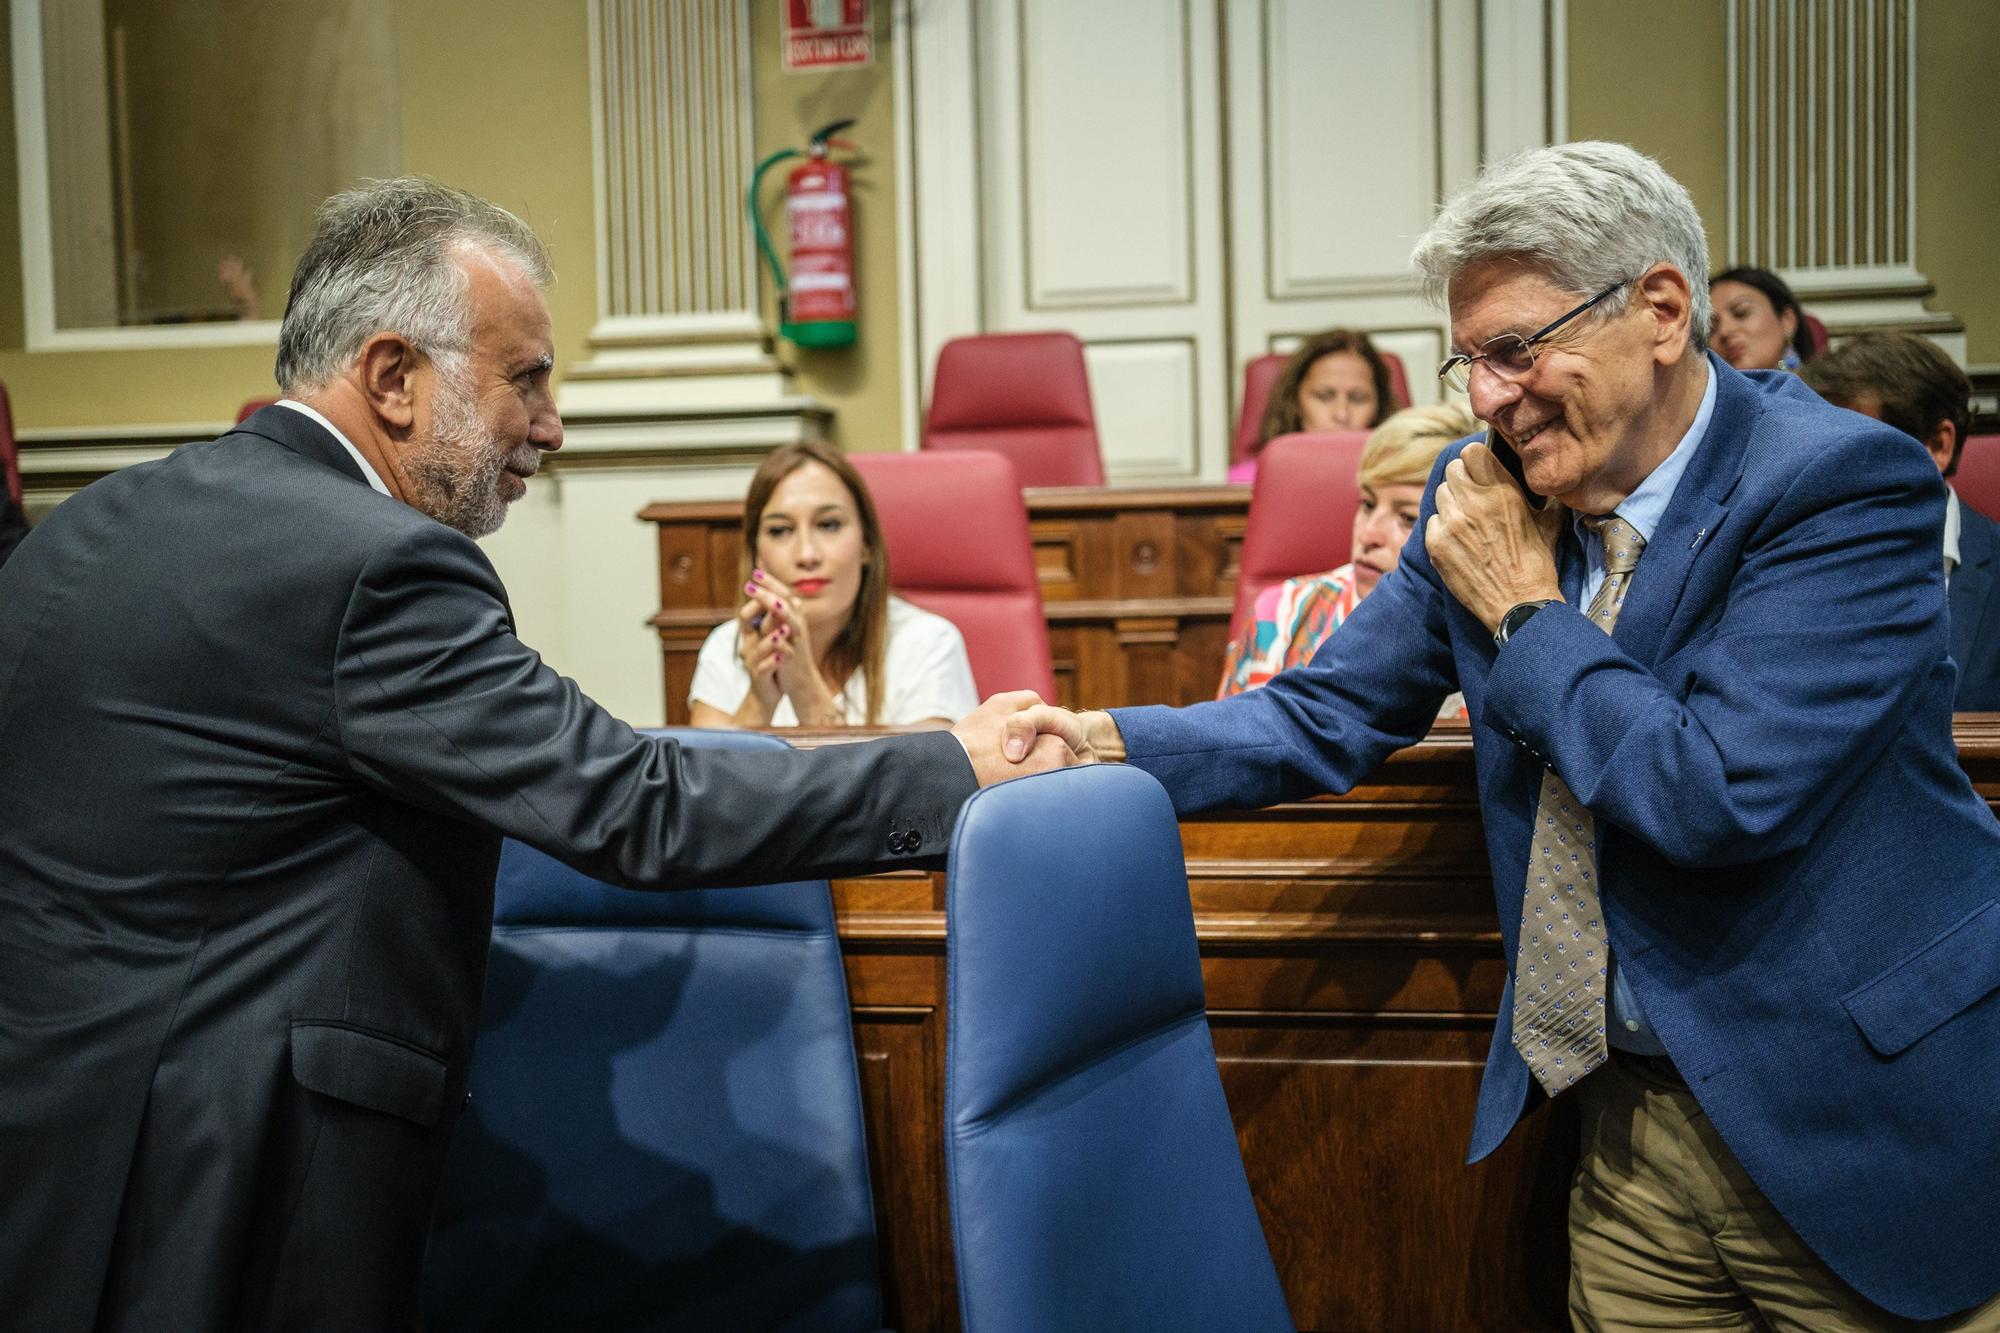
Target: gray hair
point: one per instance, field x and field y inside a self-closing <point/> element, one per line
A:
<point x="1588" y="215"/>
<point x="384" y="258"/>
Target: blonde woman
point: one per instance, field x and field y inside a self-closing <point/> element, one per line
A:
<point x="1292" y="619"/>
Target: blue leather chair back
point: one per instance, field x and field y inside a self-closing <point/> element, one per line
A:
<point x="1094" y="1176"/>
<point x="665" y="1126"/>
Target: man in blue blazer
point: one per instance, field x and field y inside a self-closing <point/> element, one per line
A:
<point x="1909" y="382"/>
<point x="1788" y="1062"/>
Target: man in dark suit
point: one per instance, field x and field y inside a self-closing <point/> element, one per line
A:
<point x="13" y="527"/>
<point x="1909" y="382"/>
<point x="265" y="728"/>
<point x="1751" y="902"/>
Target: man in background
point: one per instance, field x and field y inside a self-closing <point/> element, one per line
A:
<point x="1909" y="382"/>
<point x="266" y="720"/>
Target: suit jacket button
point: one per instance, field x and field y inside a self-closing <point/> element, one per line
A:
<point x="912" y="840"/>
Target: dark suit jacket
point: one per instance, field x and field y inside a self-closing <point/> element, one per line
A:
<point x="1975" y="612"/>
<point x="13" y="527"/>
<point x="1800" y="883"/>
<point x="265" y="728"/>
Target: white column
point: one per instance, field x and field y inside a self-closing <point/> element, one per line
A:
<point x="1822" y="159"/>
<point x="679" y="338"/>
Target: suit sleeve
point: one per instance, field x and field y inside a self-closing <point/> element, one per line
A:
<point x="1737" y="747"/>
<point x="439" y="704"/>
<point x="1373" y="687"/>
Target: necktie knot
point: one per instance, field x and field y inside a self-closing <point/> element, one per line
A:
<point x="1622" y="543"/>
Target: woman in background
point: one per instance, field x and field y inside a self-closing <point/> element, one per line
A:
<point x="1758" y="322"/>
<point x="1292" y="619"/>
<point x="1335" y="381"/>
<point x="819" y="641"/>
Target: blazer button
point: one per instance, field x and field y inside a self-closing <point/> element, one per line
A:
<point x="912" y="840"/>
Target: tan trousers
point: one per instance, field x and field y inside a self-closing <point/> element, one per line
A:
<point x="1667" y="1231"/>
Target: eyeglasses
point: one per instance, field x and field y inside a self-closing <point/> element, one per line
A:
<point x="1510" y="356"/>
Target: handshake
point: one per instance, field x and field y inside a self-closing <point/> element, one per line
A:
<point x="1013" y="735"/>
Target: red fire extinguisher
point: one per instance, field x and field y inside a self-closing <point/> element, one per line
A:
<point x="816" y="304"/>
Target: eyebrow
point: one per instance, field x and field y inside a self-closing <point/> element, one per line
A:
<point x="546" y="361"/>
<point x="835" y="507"/>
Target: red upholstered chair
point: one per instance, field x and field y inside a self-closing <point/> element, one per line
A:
<point x="1818" y="332"/>
<point x="1025" y="395"/>
<point x="1977" y="480"/>
<point x="1301" y="513"/>
<point x="1260" y="374"/>
<point x="10" y="460"/>
<point x="957" y="533"/>
<point x="252" y="408"/>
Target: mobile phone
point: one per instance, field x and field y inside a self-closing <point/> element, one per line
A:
<point x="1511" y="460"/>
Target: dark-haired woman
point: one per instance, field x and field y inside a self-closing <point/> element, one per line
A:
<point x="819" y="641"/>
<point x="1758" y="322"/>
<point x="1336" y="380"/>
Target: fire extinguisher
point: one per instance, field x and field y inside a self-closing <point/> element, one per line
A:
<point x="816" y="305"/>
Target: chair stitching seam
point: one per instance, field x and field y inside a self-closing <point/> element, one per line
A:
<point x="1027" y="1095"/>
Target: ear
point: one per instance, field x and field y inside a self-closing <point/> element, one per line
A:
<point x="387" y="369"/>
<point x="1942" y="442"/>
<point x="1668" y="300"/>
<point x="1789" y="322"/>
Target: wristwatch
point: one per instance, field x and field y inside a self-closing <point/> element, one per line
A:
<point x="1517" y="616"/>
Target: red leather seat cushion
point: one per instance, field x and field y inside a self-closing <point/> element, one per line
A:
<point x="1301" y="512"/>
<point x="957" y="532"/>
<point x="1977" y="480"/>
<point x="1024" y="395"/>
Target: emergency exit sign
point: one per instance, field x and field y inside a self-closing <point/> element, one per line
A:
<point x="827" y="34"/>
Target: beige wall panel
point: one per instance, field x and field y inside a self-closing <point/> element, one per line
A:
<point x="1146" y="404"/>
<point x="862" y="383"/>
<point x="1657" y="77"/>
<point x="1958" y="166"/>
<point x="1101" y="191"/>
<point x="1107" y="209"/>
<point x="1342" y="205"/>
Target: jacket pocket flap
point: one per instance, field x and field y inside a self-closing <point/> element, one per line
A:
<point x="1936" y="983"/>
<point x="377" y="1072"/>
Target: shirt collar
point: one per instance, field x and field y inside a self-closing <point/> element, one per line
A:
<point x="368" y="473"/>
<point x="1647" y="505"/>
<point x="1952" y="526"/>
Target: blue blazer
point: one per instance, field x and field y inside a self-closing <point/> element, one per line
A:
<point x="1800" y="883"/>
<point x="1975" y="619"/>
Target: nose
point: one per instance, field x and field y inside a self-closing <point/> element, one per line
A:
<point x="806" y="554"/>
<point x="1374" y="528"/>
<point x="1491" y="392"/>
<point x="546" y="430"/>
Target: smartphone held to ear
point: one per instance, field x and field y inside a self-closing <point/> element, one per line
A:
<point x="1511" y="460"/>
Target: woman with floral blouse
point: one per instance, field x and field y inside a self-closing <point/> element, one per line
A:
<point x="1291" y="620"/>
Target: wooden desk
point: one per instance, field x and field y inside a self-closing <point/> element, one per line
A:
<point x="1351" y="955"/>
<point x="1137" y="587"/>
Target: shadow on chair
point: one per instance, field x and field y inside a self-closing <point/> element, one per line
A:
<point x="664" y="1129"/>
<point x="1093" y="1169"/>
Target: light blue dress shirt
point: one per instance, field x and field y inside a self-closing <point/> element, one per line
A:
<point x="1626" y="1026"/>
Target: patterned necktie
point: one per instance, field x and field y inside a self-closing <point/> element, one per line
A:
<point x="1560" y="971"/>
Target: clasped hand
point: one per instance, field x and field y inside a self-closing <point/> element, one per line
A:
<point x="1491" y="550"/>
<point x="1013" y="735"/>
<point x="775" y="645"/>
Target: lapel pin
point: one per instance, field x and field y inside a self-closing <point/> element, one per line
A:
<point x="1697" y="539"/>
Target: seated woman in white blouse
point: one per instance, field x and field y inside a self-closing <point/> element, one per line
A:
<point x="818" y="641"/>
